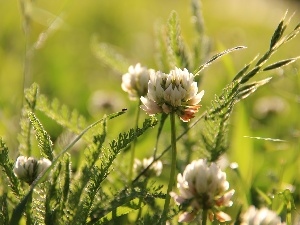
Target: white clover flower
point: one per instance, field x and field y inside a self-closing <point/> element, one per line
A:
<point x="28" y="169"/>
<point x="203" y="186"/>
<point x="154" y="170"/>
<point x="135" y="82"/>
<point x="173" y="92"/>
<point x="262" y="216"/>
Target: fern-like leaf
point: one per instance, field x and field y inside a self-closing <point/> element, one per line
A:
<point x="18" y="211"/>
<point x="124" y="202"/>
<point x="7" y="167"/>
<point x="24" y="138"/>
<point x="179" y="54"/>
<point x="162" y="57"/>
<point x="4" y="216"/>
<point x="44" y="141"/>
<point x="106" y="54"/>
<point x="61" y="114"/>
<point x="99" y="174"/>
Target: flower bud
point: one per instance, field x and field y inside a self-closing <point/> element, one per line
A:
<point x="28" y="169"/>
<point x="154" y="170"/>
<point x="135" y="82"/>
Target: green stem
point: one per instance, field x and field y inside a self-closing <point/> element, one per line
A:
<point x="173" y="164"/>
<point x="132" y="150"/>
<point x="204" y="217"/>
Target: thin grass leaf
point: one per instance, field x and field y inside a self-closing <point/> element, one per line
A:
<point x="20" y="208"/>
<point x="278" y="32"/>
<point x="44" y="140"/>
<point x="215" y="57"/>
<point x="293" y="34"/>
<point x="249" y="89"/>
<point x="266" y="139"/>
<point x="250" y="74"/>
<point x="242" y="72"/>
<point x="280" y="64"/>
<point x="264" y="196"/>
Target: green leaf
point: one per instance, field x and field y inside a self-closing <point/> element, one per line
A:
<point x="280" y="64"/>
<point x="278" y="32"/>
<point x="18" y="211"/>
<point x="264" y="196"/>
<point x="61" y="114"/>
<point x="7" y="167"/>
<point x="249" y="89"/>
<point x="179" y="54"/>
<point x="4" y="217"/>
<point x="109" y="56"/>
<point x="44" y="140"/>
<point x="29" y="105"/>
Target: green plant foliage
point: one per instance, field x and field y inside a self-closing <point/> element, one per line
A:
<point x="44" y="141"/>
<point x="7" y="167"/>
<point x="61" y="114"/>
<point x="97" y="188"/>
<point x="4" y="214"/>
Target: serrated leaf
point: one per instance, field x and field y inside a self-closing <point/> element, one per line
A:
<point x="109" y="56"/>
<point x="18" y="211"/>
<point x="44" y="140"/>
<point x="178" y="52"/>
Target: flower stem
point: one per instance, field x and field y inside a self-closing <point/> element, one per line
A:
<point x="173" y="164"/>
<point x="204" y="216"/>
<point x="133" y="144"/>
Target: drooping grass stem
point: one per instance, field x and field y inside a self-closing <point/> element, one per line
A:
<point x="132" y="150"/>
<point x="173" y="164"/>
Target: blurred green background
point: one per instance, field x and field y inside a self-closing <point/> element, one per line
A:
<point x="66" y="68"/>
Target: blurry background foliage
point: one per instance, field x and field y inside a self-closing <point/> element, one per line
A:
<point x="66" y="68"/>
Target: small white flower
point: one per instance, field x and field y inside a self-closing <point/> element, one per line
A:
<point x="28" y="169"/>
<point x="262" y="216"/>
<point x="154" y="170"/>
<point x="135" y="82"/>
<point x="173" y="92"/>
<point x="203" y="186"/>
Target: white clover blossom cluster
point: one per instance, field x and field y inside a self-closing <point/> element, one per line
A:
<point x="28" y="169"/>
<point x="154" y="170"/>
<point x="203" y="186"/>
<point x="174" y="92"/>
<point x="135" y="82"/>
<point x="262" y="216"/>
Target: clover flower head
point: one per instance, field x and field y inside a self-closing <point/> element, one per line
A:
<point x="154" y="170"/>
<point x="262" y="216"/>
<point x="173" y="92"/>
<point x="28" y="169"/>
<point x="203" y="186"/>
<point x="135" y="82"/>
